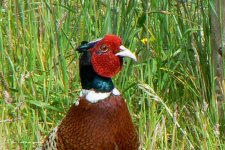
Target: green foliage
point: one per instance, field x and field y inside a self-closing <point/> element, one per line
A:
<point x="169" y="91"/>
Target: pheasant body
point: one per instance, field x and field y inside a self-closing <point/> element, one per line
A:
<point x="104" y="125"/>
<point x="100" y="120"/>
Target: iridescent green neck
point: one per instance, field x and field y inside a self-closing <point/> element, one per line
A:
<point x="90" y="79"/>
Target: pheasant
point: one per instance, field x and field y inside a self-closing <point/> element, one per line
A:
<point x="100" y="119"/>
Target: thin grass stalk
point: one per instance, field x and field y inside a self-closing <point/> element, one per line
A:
<point x="148" y="90"/>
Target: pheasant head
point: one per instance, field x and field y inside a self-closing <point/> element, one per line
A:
<point x="107" y="56"/>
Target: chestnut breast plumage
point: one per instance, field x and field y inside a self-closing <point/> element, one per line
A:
<point x="103" y="125"/>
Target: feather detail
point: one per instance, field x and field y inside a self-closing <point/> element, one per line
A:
<point x="51" y="141"/>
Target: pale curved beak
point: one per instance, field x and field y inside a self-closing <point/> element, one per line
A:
<point x="125" y="52"/>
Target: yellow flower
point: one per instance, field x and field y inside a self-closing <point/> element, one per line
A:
<point x="144" y="40"/>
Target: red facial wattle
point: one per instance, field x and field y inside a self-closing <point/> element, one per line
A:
<point x="104" y="60"/>
<point x="107" y="56"/>
<point x="106" y="65"/>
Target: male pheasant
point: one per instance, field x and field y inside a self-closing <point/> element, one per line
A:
<point x="100" y="119"/>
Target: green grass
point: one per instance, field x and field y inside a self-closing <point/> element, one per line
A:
<point x="169" y="91"/>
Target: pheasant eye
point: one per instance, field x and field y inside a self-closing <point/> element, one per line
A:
<point x="104" y="48"/>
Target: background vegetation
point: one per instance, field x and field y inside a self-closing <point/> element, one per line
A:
<point x="170" y="90"/>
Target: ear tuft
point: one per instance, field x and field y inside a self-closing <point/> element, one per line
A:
<point x="85" y="45"/>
